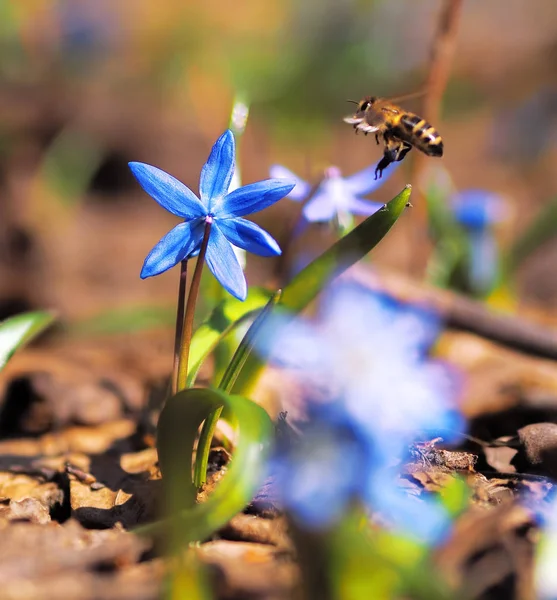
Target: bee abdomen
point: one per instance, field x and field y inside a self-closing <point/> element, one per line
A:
<point x="422" y="135"/>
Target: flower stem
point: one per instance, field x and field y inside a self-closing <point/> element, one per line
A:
<point x="204" y="447"/>
<point x="179" y="324"/>
<point x="190" y="311"/>
<point x="227" y="383"/>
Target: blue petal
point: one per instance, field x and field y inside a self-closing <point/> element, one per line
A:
<point x="425" y="520"/>
<point x="249" y="236"/>
<point x="224" y="265"/>
<point x="322" y="456"/>
<point x="176" y="245"/>
<point x="294" y="344"/>
<point x="483" y="260"/>
<point x="364" y="181"/>
<point x="301" y="189"/>
<point x="356" y="206"/>
<point x="477" y="208"/>
<point x="170" y="193"/>
<point x="320" y="208"/>
<point x="253" y="197"/>
<point x="217" y="172"/>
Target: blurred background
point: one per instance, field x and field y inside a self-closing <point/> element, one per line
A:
<point x="88" y="85"/>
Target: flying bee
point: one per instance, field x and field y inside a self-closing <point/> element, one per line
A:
<point x="401" y="130"/>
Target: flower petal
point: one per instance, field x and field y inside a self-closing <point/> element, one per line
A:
<point x="176" y="245"/>
<point x="301" y="189"/>
<point x="249" y="236"/>
<point x="364" y="182"/>
<point x="477" y="208"/>
<point x="224" y="265"/>
<point x="218" y="170"/>
<point x="170" y="193"/>
<point x="357" y="206"/>
<point x="321" y="207"/>
<point x="484" y="259"/>
<point x="253" y="197"/>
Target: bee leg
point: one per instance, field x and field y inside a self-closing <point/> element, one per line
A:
<point x="389" y="156"/>
<point x="377" y="138"/>
<point x="403" y="151"/>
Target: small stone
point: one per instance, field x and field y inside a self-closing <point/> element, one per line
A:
<point x="537" y="449"/>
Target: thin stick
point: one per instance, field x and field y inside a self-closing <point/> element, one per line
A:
<point x="184" y="353"/>
<point x="179" y="323"/>
<point x="462" y="313"/>
<point x="442" y="52"/>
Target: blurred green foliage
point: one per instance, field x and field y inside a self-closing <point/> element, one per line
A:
<point x="17" y="331"/>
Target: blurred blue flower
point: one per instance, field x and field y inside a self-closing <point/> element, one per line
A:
<point x="371" y="353"/>
<point x="546" y="550"/>
<point x="217" y="207"/>
<point x="336" y="195"/>
<point x="318" y="475"/>
<point x="88" y="28"/>
<point x="478" y="211"/>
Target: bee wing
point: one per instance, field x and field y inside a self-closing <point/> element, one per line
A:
<point x="369" y="121"/>
<point x="374" y="120"/>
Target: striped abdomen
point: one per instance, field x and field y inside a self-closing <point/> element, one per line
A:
<point x="420" y="134"/>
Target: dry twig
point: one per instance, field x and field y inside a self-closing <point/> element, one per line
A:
<point x="442" y="52"/>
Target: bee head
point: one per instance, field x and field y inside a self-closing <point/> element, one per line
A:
<point x="362" y="105"/>
<point x="366" y="103"/>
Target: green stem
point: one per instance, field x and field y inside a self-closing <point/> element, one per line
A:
<point x="226" y="385"/>
<point x="343" y="223"/>
<point x="204" y="447"/>
<point x="179" y="324"/>
<point x="190" y="312"/>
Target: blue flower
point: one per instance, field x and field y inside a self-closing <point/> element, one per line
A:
<point x="369" y="353"/>
<point x="478" y="211"/>
<point x="86" y="29"/>
<point x="336" y="195"/>
<point x="546" y="550"/>
<point x="217" y="207"/>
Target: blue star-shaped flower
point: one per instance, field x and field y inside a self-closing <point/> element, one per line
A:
<point x="215" y="206"/>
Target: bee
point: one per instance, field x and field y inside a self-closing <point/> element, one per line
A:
<point x="401" y="130"/>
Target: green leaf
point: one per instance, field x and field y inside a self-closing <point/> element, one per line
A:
<point x="225" y="317"/>
<point x="402" y="567"/>
<point x="311" y="280"/>
<point x="451" y="241"/>
<point x="247" y="345"/>
<point x="70" y="163"/>
<point x="455" y="496"/>
<point x="441" y="220"/>
<point x="228" y="380"/>
<point x="176" y="435"/>
<point x="16" y="331"/>
<point x="128" y="319"/>
<point x="540" y="231"/>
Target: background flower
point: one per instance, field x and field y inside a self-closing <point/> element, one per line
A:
<point x="546" y="553"/>
<point x="217" y="208"/>
<point x="370" y="352"/>
<point x="335" y="195"/>
<point x="478" y="212"/>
